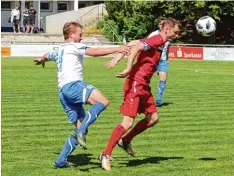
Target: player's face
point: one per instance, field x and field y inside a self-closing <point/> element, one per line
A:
<point x="174" y="32"/>
<point x="77" y="36"/>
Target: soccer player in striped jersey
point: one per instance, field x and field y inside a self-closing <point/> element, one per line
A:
<point x="162" y="67"/>
<point x="73" y="90"/>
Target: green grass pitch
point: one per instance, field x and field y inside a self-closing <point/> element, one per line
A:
<point x="195" y="135"/>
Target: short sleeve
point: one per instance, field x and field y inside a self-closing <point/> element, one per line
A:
<point x="152" y="42"/>
<point x="53" y="55"/>
<point x="80" y="48"/>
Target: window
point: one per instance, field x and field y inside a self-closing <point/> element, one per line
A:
<point x="62" y="6"/>
<point x="46" y="6"/>
<point x="6" y="5"/>
<point x="81" y="5"/>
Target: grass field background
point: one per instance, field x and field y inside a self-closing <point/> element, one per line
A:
<point x="195" y="135"/>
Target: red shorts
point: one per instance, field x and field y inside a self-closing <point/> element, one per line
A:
<point x="137" y="99"/>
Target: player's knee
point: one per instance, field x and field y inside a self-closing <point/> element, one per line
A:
<point x="126" y="125"/>
<point x="155" y="120"/>
<point x="127" y="122"/>
<point x="152" y="118"/>
<point x="105" y="101"/>
<point x="162" y="76"/>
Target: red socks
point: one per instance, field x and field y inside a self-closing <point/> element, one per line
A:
<point x="117" y="133"/>
<point x="119" y="130"/>
<point x="139" y="128"/>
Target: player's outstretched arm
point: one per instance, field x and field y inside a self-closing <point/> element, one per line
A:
<point x="111" y="63"/>
<point x="41" y="61"/>
<point x="124" y="49"/>
<point x="134" y="51"/>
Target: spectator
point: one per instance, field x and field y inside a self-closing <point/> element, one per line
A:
<point x="15" y="19"/>
<point x="32" y="17"/>
<point x="26" y="20"/>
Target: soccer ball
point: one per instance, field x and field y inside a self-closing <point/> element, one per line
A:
<point x="206" y="26"/>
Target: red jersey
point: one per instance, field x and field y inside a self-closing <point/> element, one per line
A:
<point x="147" y="60"/>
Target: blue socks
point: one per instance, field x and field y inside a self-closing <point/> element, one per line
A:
<point x="161" y="89"/>
<point x="71" y="143"/>
<point x="69" y="146"/>
<point x="91" y="116"/>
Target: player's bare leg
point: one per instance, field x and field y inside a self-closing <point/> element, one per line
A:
<point x="99" y="103"/>
<point x="163" y="76"/>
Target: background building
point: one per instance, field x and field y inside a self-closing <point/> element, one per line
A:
<point x="44" y="8"/>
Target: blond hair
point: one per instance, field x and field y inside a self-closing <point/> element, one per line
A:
<point x="171" y="21"/>
<point x="70" y="27"/>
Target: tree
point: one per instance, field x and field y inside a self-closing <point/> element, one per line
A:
<point x="136" y="19"/>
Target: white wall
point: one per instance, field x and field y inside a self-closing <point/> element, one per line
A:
<point x="54" y="23"/>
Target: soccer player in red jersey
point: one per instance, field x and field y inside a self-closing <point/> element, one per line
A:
<point x="137" y="92"/>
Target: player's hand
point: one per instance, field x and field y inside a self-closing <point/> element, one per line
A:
<point x="123" y="74"/>
<point x="111" y="63"/>
<point x="125" y="49"/>
<point x="39" y="62"/>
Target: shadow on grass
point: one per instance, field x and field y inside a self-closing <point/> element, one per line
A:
<point x="207" y="159"/>
<point x="165" y="104"/>
<point x="150" y="160"/>
<point x="83" y="160"/>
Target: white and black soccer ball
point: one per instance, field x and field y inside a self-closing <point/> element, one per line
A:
<point x="206" y="26"/>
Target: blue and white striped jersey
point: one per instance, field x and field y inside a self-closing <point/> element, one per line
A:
<point x="69" y="60"/>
